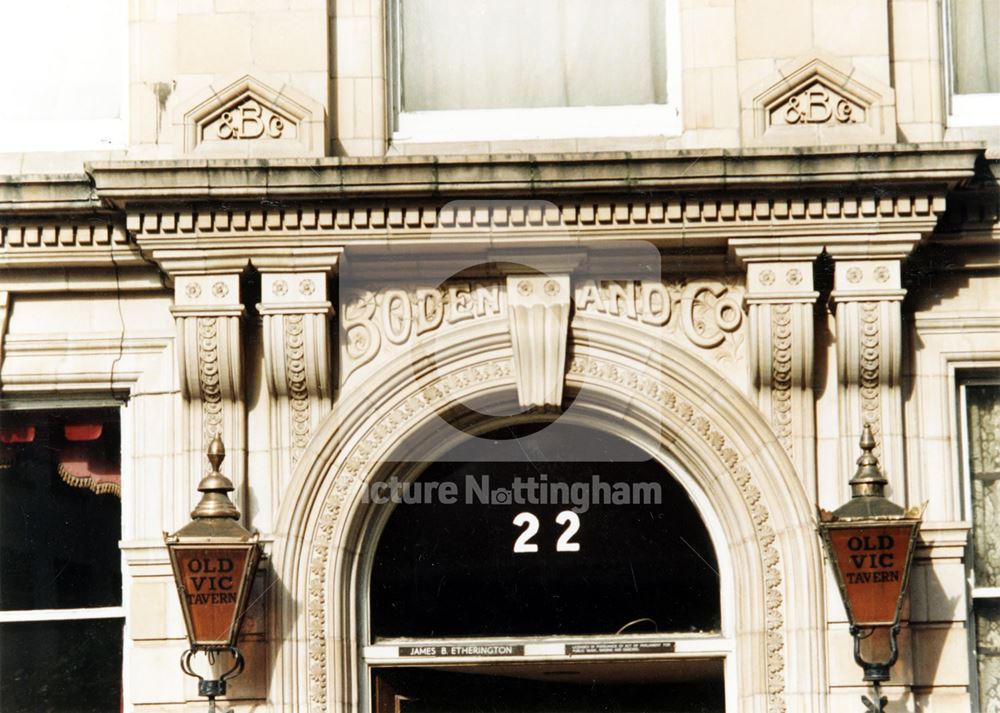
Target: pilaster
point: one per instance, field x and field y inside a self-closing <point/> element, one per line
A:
<point x="296" y="316"/>
<point x="781" y="298"/>
<point x="208" y="314"/>
<point x="866" y="298"/>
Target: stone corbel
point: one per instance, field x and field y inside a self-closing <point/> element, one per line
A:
<point x="296" y="321"/>
<point x="539" y="329"/>
<point x="867" y="295"/>
<point x="208" y="315"/>
<point x="781" y="299"/>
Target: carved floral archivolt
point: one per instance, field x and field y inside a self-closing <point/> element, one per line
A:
<point x="373" y="446"/>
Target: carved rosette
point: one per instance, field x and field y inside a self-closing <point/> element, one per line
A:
<point x="208" y="314"/>
<point x="296" y="321"/>
<point x="539" y="329"/>
<point x="867" y="295"/>
<point x="781" y="299"/>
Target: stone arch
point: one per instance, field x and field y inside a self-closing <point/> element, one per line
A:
<point x="667" y="400"/>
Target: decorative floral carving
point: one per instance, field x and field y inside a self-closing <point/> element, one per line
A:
<point x="882" y="273"/>
<point x="781" y="374"/>
<point x="298" y="391"/>
<point x="767" y="278"/>
<point x="209" y="386"/>
<point x="280" y="287"/>
<point x="794" y="276"/>
<point x="307" y="287"/>
<point x="360" y="461"/>
<point x="869" y="373"/>
<point x="551" y="288"/>
<point x="854" y="275"/>
<point x="524" y="287"/>
<point x="192" y="290"/>
<point x="220" y="289"/>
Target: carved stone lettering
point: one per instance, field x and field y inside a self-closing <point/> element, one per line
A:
<point x="706" y="314"/>
<point x="249" y="120"/>
<point x="817" y="104"/>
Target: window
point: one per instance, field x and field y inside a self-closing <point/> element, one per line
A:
<point x="467" y="70"/>
<point x="65" y="77"/>
<point x="974" y="53"/>
<point x="60" y="570"/>
<point x="546" y="585"/>
<point x="982" y="434"/>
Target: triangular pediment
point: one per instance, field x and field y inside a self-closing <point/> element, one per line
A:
<point x="819" y="100"/>
<point x="250" y="118"/>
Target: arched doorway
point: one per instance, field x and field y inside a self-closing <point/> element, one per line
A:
<point x="562" y="580"/>
<point x="668" y="403"/>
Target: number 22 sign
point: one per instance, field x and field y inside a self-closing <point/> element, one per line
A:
<point x="529" y="522"/>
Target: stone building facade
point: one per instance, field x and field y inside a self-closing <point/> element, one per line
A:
<point x="314" y="229"/>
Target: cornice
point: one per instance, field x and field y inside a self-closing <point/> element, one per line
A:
<point x="122" y="183"/>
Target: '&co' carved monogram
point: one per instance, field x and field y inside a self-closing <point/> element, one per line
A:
<point x="817" y="105"/>
<point x="249" y="121"/>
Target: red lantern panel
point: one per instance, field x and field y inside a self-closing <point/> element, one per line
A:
<point x="872" y="565"/>
<point x="212" y="581"/>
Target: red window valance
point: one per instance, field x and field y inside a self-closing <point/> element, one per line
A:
<point x="83" y="460"/>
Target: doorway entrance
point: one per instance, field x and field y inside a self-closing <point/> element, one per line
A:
<point x="546" y="583"/>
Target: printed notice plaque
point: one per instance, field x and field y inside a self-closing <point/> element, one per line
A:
<point x="463" y="650"/>
<point x="623" y="647"/>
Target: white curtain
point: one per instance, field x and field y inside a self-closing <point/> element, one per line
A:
<point x="492" y="54"/>
<point x="975" y="39"/>
<point x="984" y="462"/>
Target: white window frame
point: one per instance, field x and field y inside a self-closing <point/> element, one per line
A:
<point x="525" y="124"/>
<point x="964" y="110"/>
<point x="976" y="594"/>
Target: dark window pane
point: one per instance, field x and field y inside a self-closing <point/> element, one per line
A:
<point x="58" y="542"/>
<point x="565" y="689"/>
<point x="61" y="666"/>
<point x="450" y="570"/>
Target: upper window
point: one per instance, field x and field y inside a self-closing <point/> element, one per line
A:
<point x="974" y="76"/>
<point x="60" y="567"/>
<point x="65" y="77"/>
<point x="982" y="435"/>
<point x="521" y="69"/>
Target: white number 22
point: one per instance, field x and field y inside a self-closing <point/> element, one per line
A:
<point x="530" y="524"/>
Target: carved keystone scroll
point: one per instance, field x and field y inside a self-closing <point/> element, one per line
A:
<point x="818" y="100"/>
<point x="247" y="118"/>
<point x="296" y="316"/>
<point x="539" y="329"/>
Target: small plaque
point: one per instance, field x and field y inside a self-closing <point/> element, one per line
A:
<point x="463" y="650"/>
<point x="623" y="647"/>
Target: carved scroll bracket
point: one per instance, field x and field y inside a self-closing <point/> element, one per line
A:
<point x="208" y="314"/>
<point x="297" y="363"/>
<point x="867" y="296"/>
<point x="539" y="329"/>
<point x="781" y="298"/>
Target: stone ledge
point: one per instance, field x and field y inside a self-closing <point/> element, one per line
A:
<point x="943" y="165"/>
